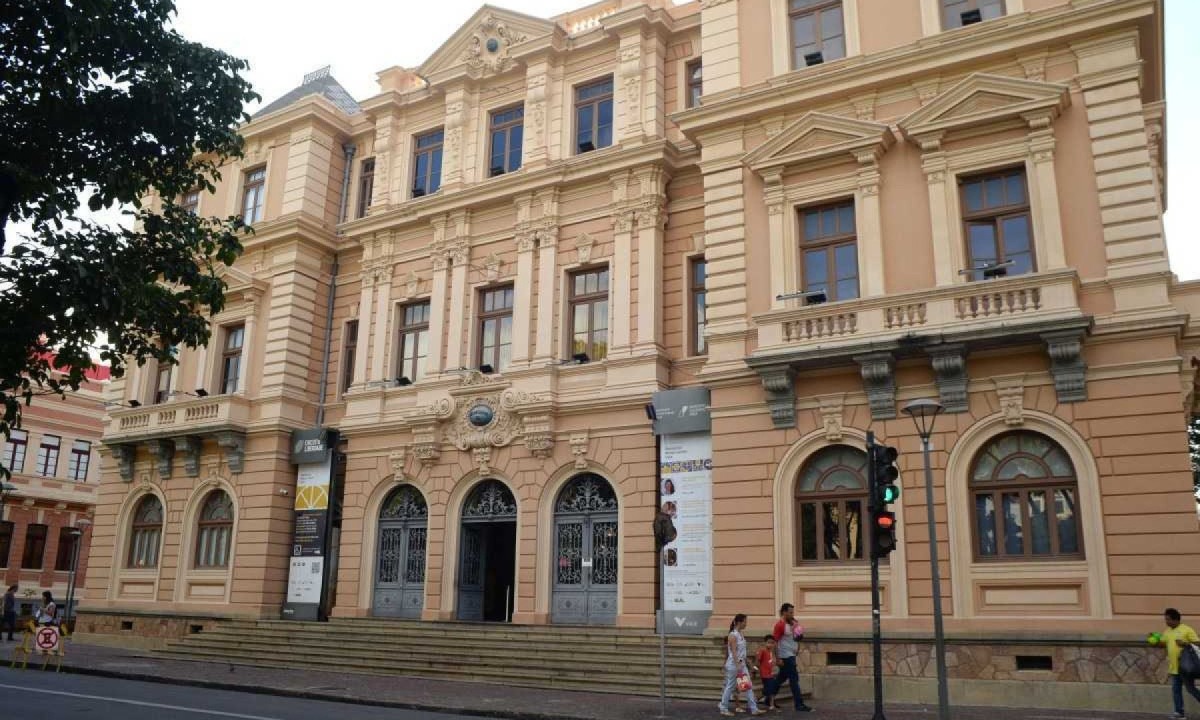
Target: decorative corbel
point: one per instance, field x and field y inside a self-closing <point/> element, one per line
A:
<point x="163" y="452"/>
<point x="482" y="457"/>
<point x="426" y="445"/>
<point x="234" y="446"/>
<point x="1066" y="365"/>
<point x="411" y="284"/>
<point x="1010" y="390"/>
<point x="831" y="415"/>
<point x="189" y="447"/>
<point x="780" y="385"/>
<point x="579" y="447"/>
<point x="879" y="380"/>
<point x="492" y="267"/>
<point x="125" y="455"/>
<point x="950" y="371"/>
<point x="398" y="459"/>
<point x="583" y="247"/>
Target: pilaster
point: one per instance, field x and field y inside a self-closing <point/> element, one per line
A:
<point x="459" y="253"/>
<point x="522" y="298"/>
<point x="437" y="297"/>
<point x="382" y="279"/>
<point x="452" y="152"/>
<point x="620" y="274"/>
<point x="720" y="45"/>
<point x="1043" y="190"/>
<point x="536" y="141"/>
<point x="945" y="253"/>
<point x="313" y="158"/>
<point x="869" y="220"/>
<point x="366" y="328"/>
<point x="547" y="246"/>
<point x="628" y="88"/>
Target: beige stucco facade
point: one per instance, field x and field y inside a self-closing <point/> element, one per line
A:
<point x="1092" y="350"/>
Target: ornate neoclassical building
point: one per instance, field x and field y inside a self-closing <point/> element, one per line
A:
<point x="816" y="209"/>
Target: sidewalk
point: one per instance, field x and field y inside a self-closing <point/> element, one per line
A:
<point x="482" y="699"/>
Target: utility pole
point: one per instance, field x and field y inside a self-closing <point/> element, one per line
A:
<point x="876" y="630"/>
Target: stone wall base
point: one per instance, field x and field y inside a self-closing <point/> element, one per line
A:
<point x="144" y="631"/>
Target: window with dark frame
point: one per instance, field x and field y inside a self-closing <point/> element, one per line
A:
<point x="366" y="186"/>
<point x="14" y="450"/>
<point x="349" y="351"/>
<point x="818" y="31"/>
<point x="145" y="534"/>
<point x="414" y="340"/>
<point x="594" y="115"/>
<point x="996" y="222"/>
<point x="829" y="251"/>
<point x="507" y="134"/>
<point x="231" y="358"/>
<point x="35" y="546"/>
<point x="427" y="163"/>
<point x="695" y="82"/>
<point x="697" y="274"/>
<point x="162" y="383"/>
<point x="214" y="531"/>
<point x="80" y="460"/>
<point x="190" y="201"/>
<point x="495" y="327"/>
<point x="1024" y="500"/>
<point x="959" y="13"/>
<point x="589" y="313"/>
<point x="253" y="195"/>
<point x="831" y="507"/>
<point x="47" y="457"/>
<point x="66" y="549"/>
<point x="6" y="536"/>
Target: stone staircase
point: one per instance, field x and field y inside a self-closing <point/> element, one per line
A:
<point x="562" y="658"/>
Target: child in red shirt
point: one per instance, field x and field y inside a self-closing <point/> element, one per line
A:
<point x="767" y="662"/>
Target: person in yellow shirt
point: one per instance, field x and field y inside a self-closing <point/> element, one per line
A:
<point x="1175" y="638"/>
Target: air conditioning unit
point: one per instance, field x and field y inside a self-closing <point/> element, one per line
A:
<point x="586" y="146"/>
<point x="970" y="17"/>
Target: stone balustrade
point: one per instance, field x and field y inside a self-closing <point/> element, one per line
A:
<point x="179" y="417"/>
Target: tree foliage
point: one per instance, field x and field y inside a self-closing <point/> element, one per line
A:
<point x="1194" y="448"/>
<point x="102" y="102"/>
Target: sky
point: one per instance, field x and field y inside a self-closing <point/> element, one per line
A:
<point x="285" y="40"/>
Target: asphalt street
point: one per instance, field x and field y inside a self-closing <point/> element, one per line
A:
<point x="37" y="695"/>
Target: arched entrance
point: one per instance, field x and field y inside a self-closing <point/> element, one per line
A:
<point x="585" y="553"/>
<point x="400" y="564"/>
<point x="487" y="557"/>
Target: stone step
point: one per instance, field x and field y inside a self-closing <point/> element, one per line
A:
<point x="469" y="630"/>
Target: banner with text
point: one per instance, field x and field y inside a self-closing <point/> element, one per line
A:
<point x="306" y="574"/>
<point x="685" y="471"/>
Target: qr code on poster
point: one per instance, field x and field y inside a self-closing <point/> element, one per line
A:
<point x="315" y="569"/>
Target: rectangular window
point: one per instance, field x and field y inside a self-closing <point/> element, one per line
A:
<point x="6" y="536"/>
<point x="818" y="31"/>
<point x="695" y="83"/>
<point x="191" y="201"/>
<point x="162" y="383"/>
<point x="507" y="128"/>
<point x="998" y="227"/>
<point x="81" y="458"/>
<point x="495" y="327"/>
<point x="427" y="163"/>
<point x="589" y="313"/>
<point x="414" y="341"/>
<point x="35" y="547"/>
<point x="253" y="195"/>
<point x="829" y="252"/>
<point x="366" y="186"/>
<point x="349" y="349"/>
<point x="696" y="277"/>
<point x="231" y="358"/>
<point x="14" y="451"/>
<point x="67" y="538"/>
<point x="957" y="13"/>
<point x="47" y="457"/>
<point x="594" y="115"/>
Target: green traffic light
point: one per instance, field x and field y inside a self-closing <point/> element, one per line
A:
<point x="891" y="493"/>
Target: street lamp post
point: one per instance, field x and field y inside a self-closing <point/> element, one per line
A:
<point x="77" y="533"/>
<point x="924" y="412"/>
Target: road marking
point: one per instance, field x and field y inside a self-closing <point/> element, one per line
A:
<point x="139" y="703"/>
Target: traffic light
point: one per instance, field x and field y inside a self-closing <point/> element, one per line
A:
<point x="884" y="492"/>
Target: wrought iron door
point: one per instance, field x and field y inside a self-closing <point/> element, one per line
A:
<point x="490" y="503"/>
<point x="400" y="555"/>
<point x="585" y="553"/>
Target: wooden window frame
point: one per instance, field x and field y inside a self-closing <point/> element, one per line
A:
<point x="47" y="463"/>
<point x="595" y="103"/>
<point x="414" y="330"/>
<point x="162" y="383"/>
<point x="829" y="244"/>
<point x="349" y="353"/>
<point x="366" y="186"/>
<point x="80" y="460"/>
<point x="505" y="127"/>
<point x="970" y="5"/>
<point x="150" y="529"/>
<point x="190" y="201"/>
<point x="16" y="448"/>
<point x="494" y="314"/>
<point x="816" y="11"/>
<point x="999" y="488"/>
<point x="817" y="498"/>
<point x="254" y="183"/>
<point x="697" y="343"/>
<point x="995" y="216"/>
<point x="589" y="299"/>
<point x="207" y="529"/>
<point x="66" y="549"/>
<point x="30" y="536"/>
<point x="694" y="87"/>
<point x="7" y="530"/>
<point x="431" y="150"/>
<point x="228" y="353"/>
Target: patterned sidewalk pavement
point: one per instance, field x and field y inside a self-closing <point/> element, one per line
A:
<point x="483" y="699"/>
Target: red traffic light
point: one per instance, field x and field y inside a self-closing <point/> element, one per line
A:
<point x="886" y="521"/>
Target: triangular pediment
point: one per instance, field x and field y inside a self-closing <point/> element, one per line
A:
<point x="982" y="99"/>
<point x="819" y="137"/>
<point x="238" y="280"/>
<point x="484" y="44"/>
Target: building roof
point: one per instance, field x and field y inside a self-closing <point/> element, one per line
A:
<point x="319" y="82"/>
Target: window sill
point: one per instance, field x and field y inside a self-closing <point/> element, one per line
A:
<point x="1049" y="566"/>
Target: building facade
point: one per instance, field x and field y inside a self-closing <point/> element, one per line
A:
<point x="47" y="512"/>
<point x="817" y="209"/>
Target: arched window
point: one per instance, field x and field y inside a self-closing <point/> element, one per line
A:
<point x="1023" y="496"/>
<point x="215" y="531"/>
<point x="146" y="533"/>
<point x="831" y="506"/>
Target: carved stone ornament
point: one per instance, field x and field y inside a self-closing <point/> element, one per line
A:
<point x="579" y="447"/>
<point x="537" y="421"/>
<point x="879" y="381"/>
<point x="1066" y="365"/>
<point x="425" y="445"/>
<point x="189" y="448"/>
<point x="950" y="371"/>
<point x="482" y="422"/>
<point x="489" y="49"/>
<point x="411" y="284"/>
<point x="492" y="267"/>
<point x="397" y="459"/>
<point x="831" y="415"/>
<point x="540" y="444"/>
<point x="1010" y="390"/>
<point x="125" y="455"/>
<point x="163" y="452"/>
<point x="583" y="248"/>
<point x="234" y="446"/>
<point x="482" y="458"/>
<point x="780" y="386"/>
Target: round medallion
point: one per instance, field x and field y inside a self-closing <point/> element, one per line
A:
<point x="480" y="415"/>
<point x="493" y="45"/>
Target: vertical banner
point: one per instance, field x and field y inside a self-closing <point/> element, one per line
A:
<point x="312" y="452"/>
<point x="685" y="497"/>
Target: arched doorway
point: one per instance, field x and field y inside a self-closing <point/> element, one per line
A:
<point x="585" y="553"/>
<point x="487" y="560"/>
<point x="400" y="564"/>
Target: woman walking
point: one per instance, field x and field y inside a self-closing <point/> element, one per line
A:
<point x="736" y="671"/>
